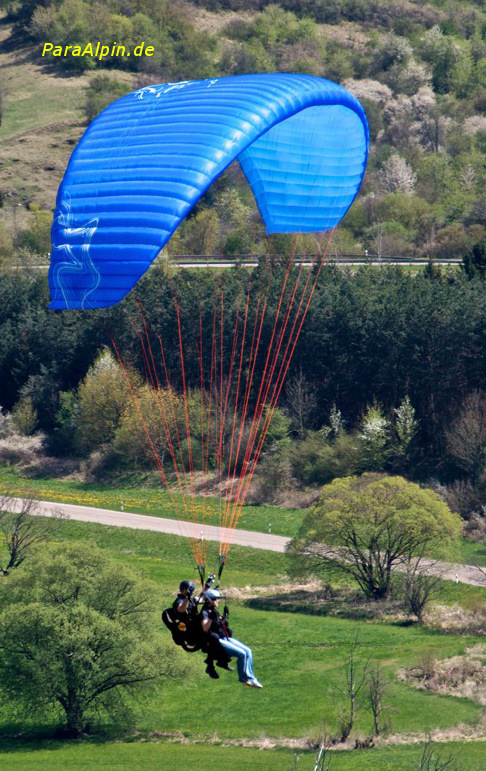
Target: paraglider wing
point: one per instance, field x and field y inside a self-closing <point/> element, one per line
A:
<point x="140" y="167"/>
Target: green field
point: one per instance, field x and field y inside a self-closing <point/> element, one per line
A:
<point x="143" y="495"/>
<point x="299" y="658"/>
<point x="160" y="756"/>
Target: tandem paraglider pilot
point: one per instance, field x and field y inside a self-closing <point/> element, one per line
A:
<point x="208" y="631"/>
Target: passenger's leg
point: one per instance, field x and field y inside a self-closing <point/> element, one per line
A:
<point x="244" y="657"/>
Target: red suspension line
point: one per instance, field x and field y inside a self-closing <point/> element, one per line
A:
<point x="225" y="410"/>
<point x="151" y="443"/>
<point x="154" y="379"/>
<point x="152" y="375"/>
<point x="265" y="386"/>
<point x="254" y="421"/>
<point x="281" y="379"/>
<point x="212" y="381"/>
<point x="272" y="353"/>
<point x="187" y="501"/>
<point x="256" y="338"/>
<point x="239" y="376"/>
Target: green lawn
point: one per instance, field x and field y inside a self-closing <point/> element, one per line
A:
<point x="160" y="756"/>
<point x="163" y="558"/>
<point x="472" y="553"/>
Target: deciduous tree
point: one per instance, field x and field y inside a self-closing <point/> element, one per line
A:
<point x="365" y="526"/>
<point x="102" y="396"/>
<point x="374" y="439"/>
<point x="76" y="634"/>
<point x="466" y="437"/>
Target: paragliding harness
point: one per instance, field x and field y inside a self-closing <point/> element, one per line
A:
<point x="186" y="628"/>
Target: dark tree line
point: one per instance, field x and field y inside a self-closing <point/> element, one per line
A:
<point x="377" y="335"/>
<point x="383" y="334"/>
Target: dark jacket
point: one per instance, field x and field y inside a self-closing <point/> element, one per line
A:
<point x="217" y="623"/>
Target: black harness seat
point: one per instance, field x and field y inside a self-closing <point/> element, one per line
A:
<point x="185" y="628"/>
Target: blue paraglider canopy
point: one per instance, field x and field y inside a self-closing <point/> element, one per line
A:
<point x="140" y="167"/>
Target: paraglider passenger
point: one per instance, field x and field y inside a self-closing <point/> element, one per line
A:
<point x="214" y="627"/>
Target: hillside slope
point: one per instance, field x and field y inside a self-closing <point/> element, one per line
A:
<point x="42" y="121"/>
<point x="418" y="68"/>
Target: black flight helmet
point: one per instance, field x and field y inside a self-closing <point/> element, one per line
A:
<point x="189" y="585"/>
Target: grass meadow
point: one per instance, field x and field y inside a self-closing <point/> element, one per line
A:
<point x="298" y="656"/>
<point x="158" y="756"/>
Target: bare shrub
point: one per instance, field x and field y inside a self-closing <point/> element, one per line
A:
<point x="422" y="584"/>
<point x="323" y="760"/>
<point x="428" y="665"/>
<point x="274" y="478"/>
<point x="463" y="676"/>
<point x="466" y="438"/>
<point x="300" y="499"/>
<point x="461" y="496"/>
<point x="377" y="692"/>
<point x="476" y="527"/>
<point x="432" y="760"/>
<point x="6" y="424"/>
<point x="20" y="530"/>
<point x="293" y="763"/>
<point x="292" y="497"/>
<point x="98" y="464"/>
<point x="48" y="466"/>
<point x="351" y="686"/>
<point x="457" y="620"/>
<point x="301" y="403"/>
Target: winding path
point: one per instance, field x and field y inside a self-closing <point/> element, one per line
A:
<point x="466" y="574"/>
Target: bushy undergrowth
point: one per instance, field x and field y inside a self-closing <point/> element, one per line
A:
<point x="21" y="450"/>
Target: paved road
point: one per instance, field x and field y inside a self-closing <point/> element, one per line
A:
<point x="309" y="263"/>
<point x="342" y="262"/>
<point x="160" y="525"/>
<point x="467" y="574"/>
